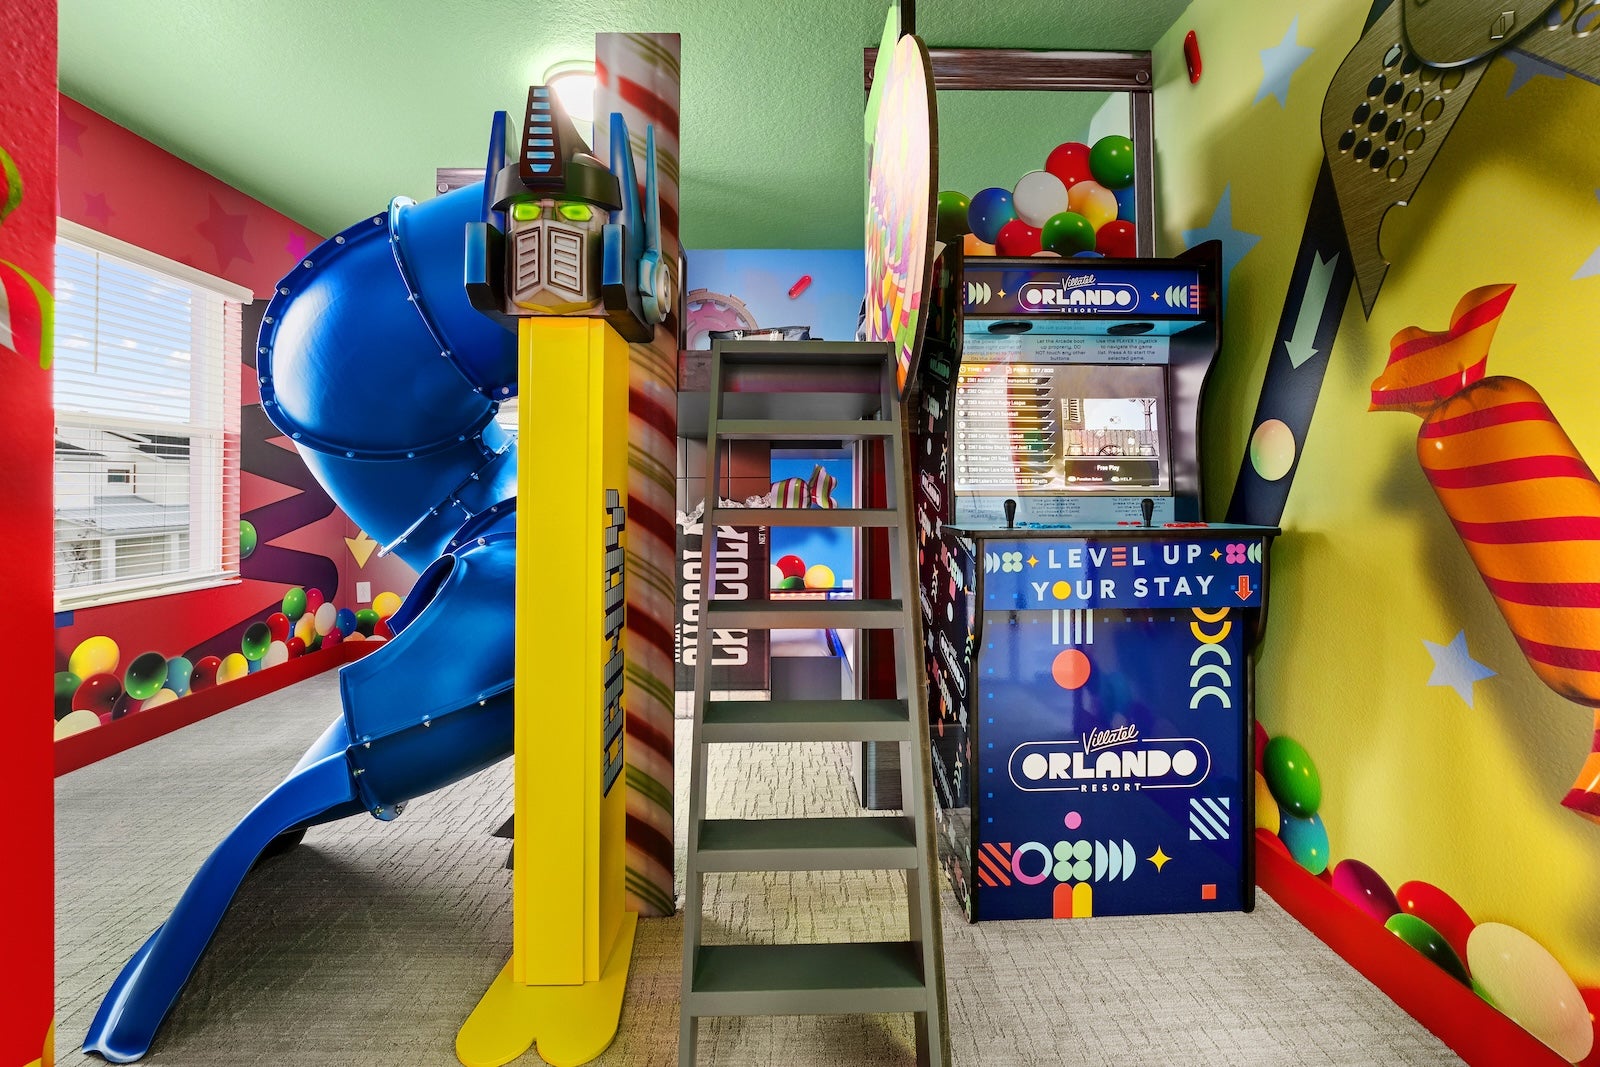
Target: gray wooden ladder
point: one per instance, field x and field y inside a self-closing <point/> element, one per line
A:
<point x="815" y="392"/>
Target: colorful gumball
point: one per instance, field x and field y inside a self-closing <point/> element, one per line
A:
<point x="67" y="684"/>
<point x="251" y="666"/>
<point x="953" y="222"/>
<point x="1267" y="817"/>
<point x="96" y="655"/>
<point x="1307" y="840"/>
<point x="277" y="652"/>
<point x="971" y="246"/>
<point x="366" y="619"/>
<point x="1067" y="234"/>
<point x="1292" y="777"/>
<point x="295" y="646"/>
<point x="383" y="630"/>
<point x="1529" y="986"/>
<point x="278" y="626"/>
<point x="1436" y="907"/>
<point x="98" y="693"/>
<point x="257" y="637"/>
<point x="1091" y="254"/>
<point x="1591" y="1000"/>
<point x="1070" y="163"/>
<point x="1017" y="238"/>
<point x="386" y="604"/>
<point x="294" y="603"/>
<point x="1366" y="889"/>
<point x="306" y="629"/>
<point x="1037" y="195"/>
<point x="1125" y="202"/>
<point x="163" y="696"/>
<point x="819" y="576"/>
<point x="1094" y="202"/>
<point x="990" y="209"/>
<point x="345" y="621"/>
<point x="247" y="538"/>
<point x="791" y="566"/>
<point x="76" y="722"/>
<point x="145" y="675"/>
<point x="233" y="667"/>
<point x="124" y="706"/>
<point x="792" y="584"/>
<point x="1111" y="161"/>
<point x="1426" y="940"/>
<point x="314" y="599"/>
<point x="179" y="669"/>
<point x="1261" y="743"/>
<point x="332" y="638"/>
<point x="324" y="619"/>
<point x="1117" y="239"/>
<point x="204" y="675"/>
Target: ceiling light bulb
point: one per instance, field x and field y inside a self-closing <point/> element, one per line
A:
<point x="574" y="86"/>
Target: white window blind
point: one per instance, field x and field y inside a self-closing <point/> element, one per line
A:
<point x="146" y="382"/>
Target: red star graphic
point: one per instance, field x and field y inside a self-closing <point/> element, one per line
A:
<point x="225" y="232"/>
<point x="96" y="210"/>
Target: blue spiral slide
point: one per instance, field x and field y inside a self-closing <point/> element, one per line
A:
<point x="374" y="362"/>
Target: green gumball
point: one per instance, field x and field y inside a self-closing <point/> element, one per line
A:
<point x="953" y="223"/>
<point x="66" y="685"/>
<point x="1067" y="234"/>
<point x="1428" y="941"/>
<point x="247" y="538"/>
<point x="1111" y="161"/>
<point x="145" y="675"/>
<point x="1291" y="776"/>
<point x="366" y="621"/>
<point x="294" y="603"/>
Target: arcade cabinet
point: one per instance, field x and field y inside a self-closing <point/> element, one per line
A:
<point x="1089" y="638"/>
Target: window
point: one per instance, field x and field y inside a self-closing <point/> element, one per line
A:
<point x="147" y="423"/>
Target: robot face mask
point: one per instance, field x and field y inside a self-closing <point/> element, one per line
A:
<point x="553" y="261"/>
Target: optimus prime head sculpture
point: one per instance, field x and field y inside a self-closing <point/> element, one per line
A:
<point x="562" y="233"/>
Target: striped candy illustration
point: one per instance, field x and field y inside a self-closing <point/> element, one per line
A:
<point x="1524" y="502"/>
<point x="638" y="75"/>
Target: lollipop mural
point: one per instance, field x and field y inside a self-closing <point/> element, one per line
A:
<point x="1524" y="502"/>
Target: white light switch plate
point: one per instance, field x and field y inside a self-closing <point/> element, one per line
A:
<point x="363" y="592"/>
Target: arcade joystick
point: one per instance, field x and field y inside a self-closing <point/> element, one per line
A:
<point x="1010" y="507"/>
<point x="1147" y="508"/>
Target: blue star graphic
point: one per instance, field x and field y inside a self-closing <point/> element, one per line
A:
<point x="1236" y="244"/>
<point x="1452" y="666"/>
<point x="1591" y="266"/>
<point x="1528" y="68"/>
<point x="1279" y="64"/>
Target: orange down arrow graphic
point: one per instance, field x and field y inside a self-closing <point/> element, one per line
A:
<point x="1244" y="587"/>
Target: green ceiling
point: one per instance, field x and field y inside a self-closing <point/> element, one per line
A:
<point x="324" y="109"/>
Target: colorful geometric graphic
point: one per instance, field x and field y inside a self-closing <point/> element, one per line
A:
<point x="1209" y="819"/>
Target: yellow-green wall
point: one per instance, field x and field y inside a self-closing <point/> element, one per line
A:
<point x="1416" y="783"/>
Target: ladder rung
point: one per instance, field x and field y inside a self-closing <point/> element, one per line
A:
<point x="804" y="720"/>
<point x="827" y="517"/>
<point x="872" y="977"/>
<point x="805" y="429"/>
<point x="805" y="614"/>
<point x="858" y="843"/>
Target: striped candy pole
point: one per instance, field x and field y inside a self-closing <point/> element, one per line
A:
<point x="638" y="76"/>
<point x="1524" y="502"/>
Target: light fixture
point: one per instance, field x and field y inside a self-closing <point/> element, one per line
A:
<point x="573" y="81"/>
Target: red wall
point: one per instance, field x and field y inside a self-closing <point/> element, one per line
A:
<point x="117" y="183"/>
<point x="27" y="238"/>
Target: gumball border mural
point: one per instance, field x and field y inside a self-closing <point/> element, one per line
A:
<point x="99" y="682"/>
<point x="1508" y="970"/>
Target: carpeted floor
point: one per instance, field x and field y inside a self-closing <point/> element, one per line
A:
<point x="371" y="942"/>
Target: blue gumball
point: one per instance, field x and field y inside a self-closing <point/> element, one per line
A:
<point x="179" y="671"/>
<point x="1125" y="203"/>
<point x="1086" y="255"/>
<point x="990" y="210"/>
<point x="1307" y="840"/>
<point x="345" y="621"/>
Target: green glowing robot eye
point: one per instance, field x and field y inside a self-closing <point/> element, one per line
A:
<point x="575" y="212"/>
<point x="526" y="211"/>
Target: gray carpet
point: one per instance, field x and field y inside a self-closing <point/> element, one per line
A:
<point x="371" y="942"/>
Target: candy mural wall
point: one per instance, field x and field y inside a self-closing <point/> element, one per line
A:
<point x="1389" y="676"/>
<point x="117" y="660"/>
<point x="27" y="233"/>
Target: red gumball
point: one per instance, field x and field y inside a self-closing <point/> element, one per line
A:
<point x="333" y="637"/>
<point x="1116" y="240"/>
<point x="1261" y="743"/>
<point x="278" y="626"/>
<point x="125" y="705"/>
<point x="1439" y="910"/>
<point x="791" y="566"/>
<point x="1017" y="238"/>
<point x="99" y="694"/>
<point x="1069" y="162"/>
<point x="205" y="674"/>
<point x="296" y="646"/>
<point x="314" y="600"/>
<point x="1591" y="1000"/>
<point x="383" y="630"/>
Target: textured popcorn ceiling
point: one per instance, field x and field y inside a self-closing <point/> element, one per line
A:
<point x="324" y="109"/>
